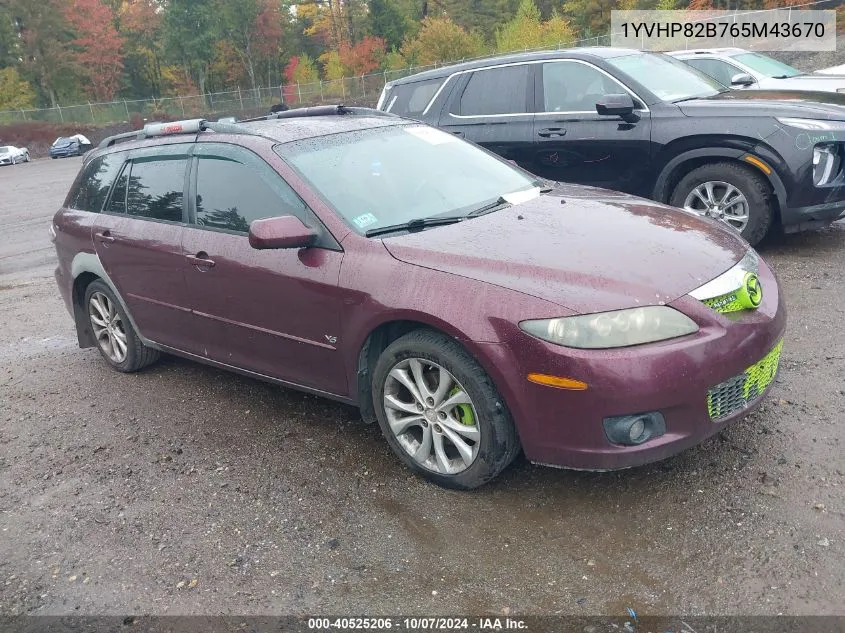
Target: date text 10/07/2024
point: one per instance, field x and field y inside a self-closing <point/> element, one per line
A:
<point x="418" y="624"/>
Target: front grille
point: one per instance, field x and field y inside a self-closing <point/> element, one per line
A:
<point x="735" y="394"/>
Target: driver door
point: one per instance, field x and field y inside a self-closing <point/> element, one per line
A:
<point x="573" y="143"/>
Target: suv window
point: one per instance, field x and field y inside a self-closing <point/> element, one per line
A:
<point x="155" y="188"/>
<point x="501" y="90"/>
<point x="94" y="185"/>
<point x="230" y="195"/>
<point x="716" y="68"/>
<point x="575" y="87"/>
<point x="412" y="98"/>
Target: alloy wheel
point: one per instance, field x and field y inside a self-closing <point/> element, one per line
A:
<point x="721" y="201"/>
<point x="108" y="327"/>
<point x="431" y="416"/>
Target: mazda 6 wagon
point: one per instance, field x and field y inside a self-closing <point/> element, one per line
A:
<point x="470" y="308"/>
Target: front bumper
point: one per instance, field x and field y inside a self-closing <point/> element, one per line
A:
<point x="564" y="428"/>
<point x="812" y="217"/>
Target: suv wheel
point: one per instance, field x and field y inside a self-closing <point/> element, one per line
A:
<point x="441" y="413"/>
<point x="728" y="192"/>
<point x="116" y="338"/>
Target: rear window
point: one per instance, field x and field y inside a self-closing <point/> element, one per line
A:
<point x="411" y="99"/>
<point x="93" y="186"/>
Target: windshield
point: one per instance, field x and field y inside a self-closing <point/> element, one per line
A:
<point x="389" y="175"/>
<point x="666" y="77"/>
<point x="766" y="65"/>
<point x="5" y="150"/>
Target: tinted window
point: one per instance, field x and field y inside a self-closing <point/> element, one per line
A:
<point x="155" y="188"/>
<point x="411" y="99"/>
<point x="95" y="183"/>
<point x="719" y="70"/>
<point x="496" y="91"/>
<point x="230" y="195"/>
<point x="574" y="87"/>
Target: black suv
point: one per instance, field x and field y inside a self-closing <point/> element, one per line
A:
<point x="646" y="124"/>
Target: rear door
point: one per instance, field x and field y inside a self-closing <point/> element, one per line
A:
<point x="138" y="239"/>
<point x="493" y="107"/>
<point x="573" y="143"/>
<point x="278" y="310"/>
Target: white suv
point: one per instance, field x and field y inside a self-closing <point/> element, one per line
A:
<point x="738" y="68"/>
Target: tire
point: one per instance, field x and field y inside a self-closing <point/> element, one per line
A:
<point x="754" y="188"/>
<point x="484" y="424"/>
<point x="26" y="158"/>
<point x="136" y="355"/>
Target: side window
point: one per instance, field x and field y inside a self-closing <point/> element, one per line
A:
<point x="411" y="99"/>
<point x="154" y="188"/>
<point x="117" y="202"/>
<point x="94" y="185"/>
<point x="575" y="87"/>
<point x="719" y="70"/>
<point x="230" y="195"/>
<point x="496" y="91"/>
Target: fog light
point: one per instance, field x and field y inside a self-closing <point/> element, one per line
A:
<point x="631" y="430"/>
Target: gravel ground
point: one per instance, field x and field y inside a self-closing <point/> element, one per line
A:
<point x="187" y="490"/>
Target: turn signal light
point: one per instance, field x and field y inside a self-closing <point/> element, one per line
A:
<point x="558" y="382"/>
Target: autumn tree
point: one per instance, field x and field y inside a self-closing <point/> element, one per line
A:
<point x="140" y="27"/>
<point x="96" y="49"/>
<point x="43" y="38"/>
<point x="253" y="27"/>
<point x="190" y="30"/>
<point x="441" y="40"/>
<point x="15" y="91"/>
<point x="362" y="57"/>
<point x="387" y="22"/>
<point x="527" y="31"/>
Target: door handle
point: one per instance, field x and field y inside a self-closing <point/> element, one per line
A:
<point x="201" y="260"/>
<point x="105" y="237"/>
<point x="552" y="131"/>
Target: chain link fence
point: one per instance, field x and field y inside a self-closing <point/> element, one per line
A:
<point x="361" y="90"/>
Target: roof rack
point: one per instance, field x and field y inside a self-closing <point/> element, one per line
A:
<point x="231" y="125"/>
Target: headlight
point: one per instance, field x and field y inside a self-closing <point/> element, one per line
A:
<point x="825" y="163"/>
<point x="812" y="124"/>
<point x="730" y="280"/>
<point x="620" y="328"/>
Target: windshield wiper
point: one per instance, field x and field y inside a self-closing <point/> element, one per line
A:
<point x="414" y="225"/>
<point x="487" y="208"/>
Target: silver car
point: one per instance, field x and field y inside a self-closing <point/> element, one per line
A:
<point x="11" y="155"/>
<point x="739" y="68"/>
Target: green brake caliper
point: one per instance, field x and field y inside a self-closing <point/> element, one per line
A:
<point x="464" y="411"/>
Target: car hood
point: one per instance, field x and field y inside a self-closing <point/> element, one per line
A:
<point x="771" y="103"/>
<point x="586" y="249"/>
<point x="813" y="82"/>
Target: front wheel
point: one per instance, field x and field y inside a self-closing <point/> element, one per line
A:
<point x="26" y="157"/>
<point x="731" y="193"/>
<point x="441" y="413"/>
<point x="116" y="339"/>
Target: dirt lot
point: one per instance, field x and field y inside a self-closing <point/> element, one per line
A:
<point x="187" y="490"/>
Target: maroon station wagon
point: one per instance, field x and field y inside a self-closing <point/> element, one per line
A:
<point x="470" y="308"/>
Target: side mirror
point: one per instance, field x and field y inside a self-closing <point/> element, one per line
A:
<point x="742" y="79"/>
<point x="285" y="231"/>
<point x="615" y="105"/>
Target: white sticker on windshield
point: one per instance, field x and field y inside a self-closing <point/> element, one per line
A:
<point x="431" y="135"/>
<point x="518" y="197"/>
<point x="363" y="221"/>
